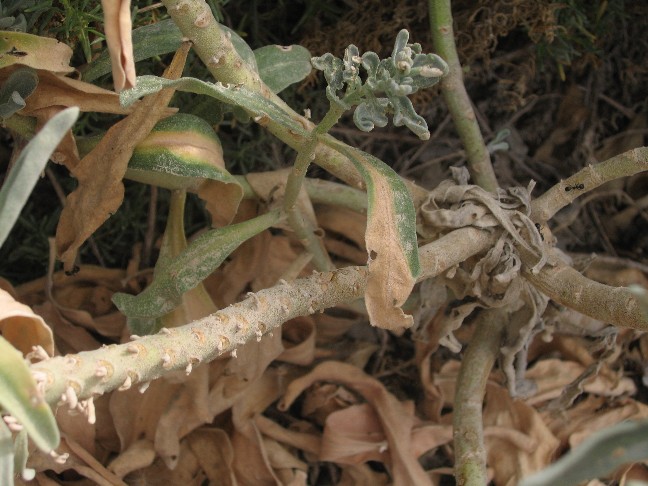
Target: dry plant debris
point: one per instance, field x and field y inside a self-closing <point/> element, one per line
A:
<point x="327" y="399"/>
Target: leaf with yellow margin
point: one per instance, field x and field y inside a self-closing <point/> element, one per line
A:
<point x="390" y="240"/>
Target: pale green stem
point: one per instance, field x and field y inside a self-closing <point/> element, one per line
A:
<point x="306" y="154"/>
<point x="468" y="425"/>
<point x="319" y="191"/>
<point x="456" y="97"/>
<point x="560" y="195"/>
<point x="303" y="228"/>
<point x="196" y="22"/>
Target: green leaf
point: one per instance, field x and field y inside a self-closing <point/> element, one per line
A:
<point x="6" y="455"/>
<point x="598" y="456"/>
<point x="28" y="167"/>
<point x="187" y="270"/>
<point x="390" y="239"/>
<point x="280" y="66"/>
<point x="252" y="102"/>
<point x="386" y="85"/>
<point x="20" y="398"/>
<point x="18" y="86"/>
<point x="21" y="454"/>
<point x="161" y="38"/>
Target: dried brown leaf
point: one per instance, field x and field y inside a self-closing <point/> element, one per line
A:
<point x="22" y="327"/>
<point x="298" y="336"/>
<point x="138" y="455"/>
<point x="213" y="449"/>
<point x="100" y="173"/>
<point x="395" y="418"/>
<point x="118" y="26"/>
<point x="522" y="442"/>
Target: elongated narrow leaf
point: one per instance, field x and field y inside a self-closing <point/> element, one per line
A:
<point x="253" y="102"/>
<point x="598" y="456"/>
<point x="281" y="66"/>
<point x="28" y="167"/>
<point x="390" y="239"/>
<point x="20" y="397"/>
<point x="160" y="38"/>
<point x="190" y="268"/>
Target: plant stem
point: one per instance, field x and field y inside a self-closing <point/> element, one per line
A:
<point x="591" y="177"/>
<point x="306" y="154"/>
<point x="196" y="22"/>
<point x="614" y="305"/>
<point x="205" y="339"/>
<point x="303" y="228"/>
<point x="319" y="191"/>
<point x="456" y="97"/>
<point x="468" y="426"/>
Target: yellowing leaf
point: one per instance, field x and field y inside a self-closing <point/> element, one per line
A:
<point x="183" y="152"/>
<point x="34" y="51"/>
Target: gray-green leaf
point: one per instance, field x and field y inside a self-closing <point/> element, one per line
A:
<point x="18" y="86"/>
<point x="599" y="455"/>
<point x="280" y="66"/>
<point x="188" y="269"/>
<point x="20" y="397"/>
<point x="28" y="167"/>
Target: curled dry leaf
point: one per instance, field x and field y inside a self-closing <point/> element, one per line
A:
<point x="395" y="418"/>
<point x="139" y="455"/>
<point x="100" y="173"/>
<point x="22" y="328"/>
<point x="522" y="442"/>
<point x="214" y="452"/>
<point x="118" y="27"/>
<point x="298" y="336"/>
<point x="355" y="435"/>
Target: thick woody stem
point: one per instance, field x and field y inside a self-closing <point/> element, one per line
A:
<point x="197" y="23"/>
<point x="147" y="358"/>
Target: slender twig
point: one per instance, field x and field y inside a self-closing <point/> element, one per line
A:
<point x="456" y="97"/>
<point x="305" y="231"/>
<point x="468" y="426"/>
<point x="591" y="177"/>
